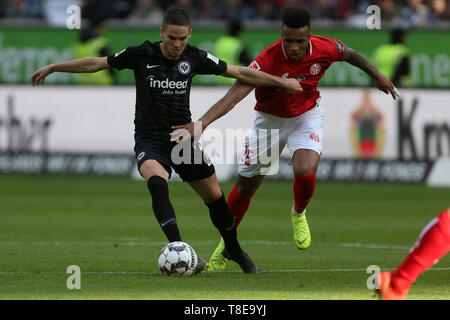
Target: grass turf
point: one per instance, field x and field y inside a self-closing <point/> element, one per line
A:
<point x="107" y="228"/>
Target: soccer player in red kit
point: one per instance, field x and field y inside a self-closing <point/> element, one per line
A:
<point x="433" y="244"/>
<point x="297" y="118"/>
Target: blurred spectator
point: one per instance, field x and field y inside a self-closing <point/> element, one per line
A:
<point x="322" y="9"/>
<point x="393" y="59"/>
<point x="440" y="11"/>
<point x="264" y="10"/>
<point x="12" y="8"/>
<point x="55" y="11"/>
<point x="231" y="49"/>
<point x="188" y="6"/>
<point x="389" y="10"/>
<point x="94" y="10"/>
<point x="148" y="11"/>
<point x="92" y="43"/>
<point x="205" y="9"/>
<point x="21" y="8"/>
<point x="412" y="12"/>
<point x="416" y="13"/>
<point x="165" y="4"/>
<point x="343" y="8"/>
<point x="327" y="9"/>
<point x="233" y="9"/>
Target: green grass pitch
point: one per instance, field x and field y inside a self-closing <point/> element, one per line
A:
<point x="106" y="227"/>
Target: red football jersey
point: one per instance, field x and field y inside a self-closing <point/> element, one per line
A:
<point x="321" y="53"/>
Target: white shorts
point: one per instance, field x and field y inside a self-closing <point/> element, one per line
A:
<point x="270" y="134"/>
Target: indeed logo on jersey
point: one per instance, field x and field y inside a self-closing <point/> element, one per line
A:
<point x="168" y="84"/>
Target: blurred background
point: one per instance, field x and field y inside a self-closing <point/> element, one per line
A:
<point x="422" y="13"/>
<point x="84" y="123"/>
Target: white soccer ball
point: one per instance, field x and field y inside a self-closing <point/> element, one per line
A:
<point x="177" y="258"/>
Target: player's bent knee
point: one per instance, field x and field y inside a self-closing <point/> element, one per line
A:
<point x="208" y="189"/>
<point x="152" y="168"/>
<point x="305" y="168"/>
<point x="246" y="187"/>
<point x="246" y="190"/>
<point x="213" y="194"/>
<point x="304" y="171"/>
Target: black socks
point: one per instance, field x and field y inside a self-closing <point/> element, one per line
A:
<point x="220" y="214"/>
<point x="162" y="207"/>
<point x="223" y="220"/>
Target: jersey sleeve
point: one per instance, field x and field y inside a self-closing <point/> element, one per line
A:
<point x="335" y="50"/>
<point x="124" y="59"/>
<point x="259" y="63"/>
<point x="209" y="64"/>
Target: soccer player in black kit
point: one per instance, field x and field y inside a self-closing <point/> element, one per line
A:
<point x="163" y="73"/>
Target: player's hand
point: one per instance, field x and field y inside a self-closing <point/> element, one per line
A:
<point x="384" y="84"/>
<point x="292" y="85"/>
<point x="192" y="130"/>
<point x="39" y="76"/>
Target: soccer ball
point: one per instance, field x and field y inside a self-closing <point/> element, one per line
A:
<point x="177" y="258"/>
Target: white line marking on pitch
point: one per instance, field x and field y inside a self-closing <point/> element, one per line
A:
<point x="143" y="242"/>
<point x="237" y="271"/>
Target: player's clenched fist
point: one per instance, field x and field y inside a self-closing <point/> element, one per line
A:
<point x="292" y="85"/>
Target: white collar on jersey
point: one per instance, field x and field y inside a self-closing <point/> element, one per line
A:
<point x="284" y="52"/>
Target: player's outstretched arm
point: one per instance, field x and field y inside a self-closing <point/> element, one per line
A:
<point x="224" y="105"/>
<point x="83" y="65"/>
<point x="380" y="80"/>
<point x="259" y="78"/>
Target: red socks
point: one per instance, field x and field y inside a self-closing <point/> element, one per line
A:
<point x="433" y="244"/>
<point x="303" y="191"/>
<point x="238" y="205"/>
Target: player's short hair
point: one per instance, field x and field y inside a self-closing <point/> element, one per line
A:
<point x="176" y="16"/>
<point x="398" y="35"/>
<point x="296" y="16"/>
<point x="234" y="27"/>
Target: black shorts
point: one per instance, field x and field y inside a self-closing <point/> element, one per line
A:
<point x="190" y="164"/>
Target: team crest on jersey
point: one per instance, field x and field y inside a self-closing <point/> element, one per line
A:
<point x="184" y="67"/>
<point x="315" y="69"/>
<point x="254" y="65"/>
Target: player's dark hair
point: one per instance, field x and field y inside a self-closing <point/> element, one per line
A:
<point x="176" y="16"/>
<point x="234" y="27"/>
<point x="296" y="16"/>
<point x="398" y="35"/>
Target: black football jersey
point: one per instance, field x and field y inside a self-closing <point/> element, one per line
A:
<point x="162" y="85"/>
